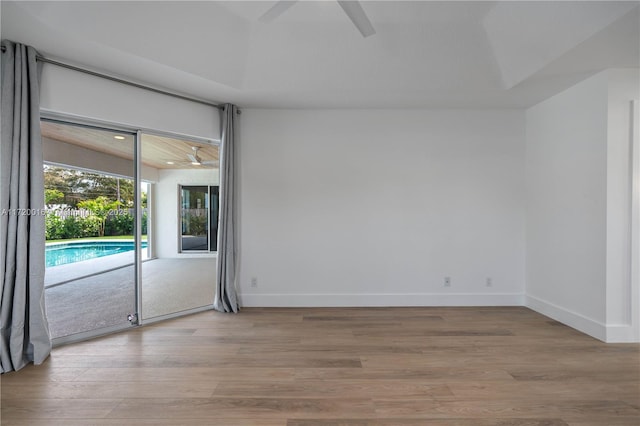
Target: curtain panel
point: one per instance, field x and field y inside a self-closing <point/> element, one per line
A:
<point x="24" y="331"/>
<point x="226" y="297"/>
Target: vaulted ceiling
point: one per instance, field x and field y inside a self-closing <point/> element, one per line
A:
<point x="424" y="53"/>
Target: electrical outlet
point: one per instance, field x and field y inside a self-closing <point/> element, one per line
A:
<point x="489" y="282"/>
<point x="447" y="281"/>
<point x="254" y="282"/>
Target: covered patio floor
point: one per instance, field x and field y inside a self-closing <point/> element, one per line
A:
<point x="100" y="293"/>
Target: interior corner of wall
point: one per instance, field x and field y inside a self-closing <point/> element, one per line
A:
<point x="586" y="325"/>
<point x="621" y="333"/>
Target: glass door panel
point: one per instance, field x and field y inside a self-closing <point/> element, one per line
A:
<point x="179" y="272"/>
<point x="194" y="201"/>
<point x="89" y="194"/>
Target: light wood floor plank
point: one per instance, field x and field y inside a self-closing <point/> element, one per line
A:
<point x="426" y="421"/>
<point x="244" y="407"/>
<point x="334" y="367"/>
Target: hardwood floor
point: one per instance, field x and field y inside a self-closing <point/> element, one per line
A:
<point x="356" y="366"/>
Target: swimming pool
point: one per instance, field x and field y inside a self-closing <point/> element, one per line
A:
<point x="64" y="253"/>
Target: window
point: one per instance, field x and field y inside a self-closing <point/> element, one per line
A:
<point x="198" y="218"/>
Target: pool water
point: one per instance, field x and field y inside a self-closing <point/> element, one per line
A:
<point x="62" y="254"/>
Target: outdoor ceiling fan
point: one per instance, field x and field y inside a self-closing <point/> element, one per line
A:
<point x="352" y="8"/>
<point x="195" y="160"/>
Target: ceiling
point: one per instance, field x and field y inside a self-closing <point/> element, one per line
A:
<point x="507" y="54"/>
<point x="159" y="152"/>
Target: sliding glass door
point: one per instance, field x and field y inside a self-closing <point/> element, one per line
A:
<point x="131" y="227"/>
<point x="90" y="285"/>
<point x="181" y="211"/>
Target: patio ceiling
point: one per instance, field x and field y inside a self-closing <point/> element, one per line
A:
<point x="157" y="151"/>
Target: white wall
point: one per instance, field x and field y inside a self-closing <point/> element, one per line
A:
<point x="566" y="205"/>
<point x="376" y="207"/>
<point x="166" y="207"/>
<point x="623" y="313"/>
<point x="578" y="206"/>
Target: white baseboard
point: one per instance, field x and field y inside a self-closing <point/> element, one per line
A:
<point x="573" y="319"/>
<point x="607" y="333"/>
<point x="621" y="333"/>
<point x="377" y="300"/>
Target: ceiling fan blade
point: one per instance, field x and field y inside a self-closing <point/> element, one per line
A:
<point x="193" y="158"/>
<point x="354" y="11"/>
<point x="276" y="10"/>
<point x="210" y="163"/>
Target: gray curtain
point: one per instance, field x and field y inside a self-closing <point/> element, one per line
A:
<point x="226" y="298"/>
<point x="23" y="324"/>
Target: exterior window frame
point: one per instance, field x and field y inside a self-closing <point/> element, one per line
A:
<point x="212" y="199"/>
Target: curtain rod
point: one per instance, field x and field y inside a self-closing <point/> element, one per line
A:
<point x="122" y="81"/>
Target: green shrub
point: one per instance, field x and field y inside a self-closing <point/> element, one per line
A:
<point x="143" y="223"/>
<point x="71" y="227"/>
<point x="57" y="228"/>
<point x="90" y="226"/>
<point x="53" y="226"/>
<point x="119" y="223"/>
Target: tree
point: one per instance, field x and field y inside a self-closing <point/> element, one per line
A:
<point x="100" y="207"/>
<point x="53" y="196"/>
<point x="77" y="185"/>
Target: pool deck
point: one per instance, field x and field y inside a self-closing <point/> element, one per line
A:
<point x="61" y="274"/>
<point x="91" y="240"/>
<point x="56" y="275"/>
